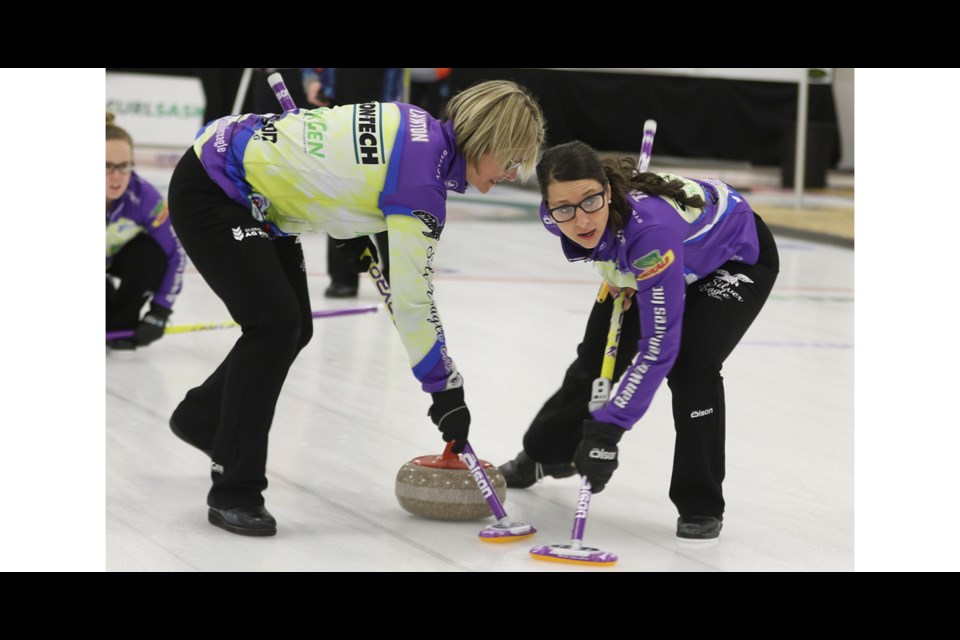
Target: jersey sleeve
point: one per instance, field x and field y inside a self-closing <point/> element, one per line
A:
<point x="154" y="219"/>
<point x="656" y="263"/>
<point x="161" y="231"/>
<point x="413" y="244"/>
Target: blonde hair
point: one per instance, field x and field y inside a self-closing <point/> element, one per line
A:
<point x="497" y="117"/>
<point x="116" y="133"/>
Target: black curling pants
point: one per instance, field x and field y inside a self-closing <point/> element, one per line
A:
<point x="717" y="313"/>
<point x="263" y="283"/>
<point x="140" y="265"/>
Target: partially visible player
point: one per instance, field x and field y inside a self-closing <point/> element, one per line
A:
<point x="143" y="252"/>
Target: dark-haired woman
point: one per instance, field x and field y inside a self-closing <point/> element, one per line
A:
<point x="697" y="265"/>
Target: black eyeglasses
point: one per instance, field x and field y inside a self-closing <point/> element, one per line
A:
<point x="123" y="167"/>
<point x="590" y="204"/>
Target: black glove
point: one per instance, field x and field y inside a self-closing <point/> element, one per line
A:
<point x="151" y="327"/>
<point x="597" y="453"/>
<point x="449" y="412"/>
<point x="359" y="251"/>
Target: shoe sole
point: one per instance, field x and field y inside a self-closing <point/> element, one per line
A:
<point x="698" y="540"/>
<point x="217" y="520"/>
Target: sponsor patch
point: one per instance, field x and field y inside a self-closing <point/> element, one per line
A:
<point x="259" y="205"/>
<point x="250" y="232"/>
<point x="724" y="285"/>
<point x="653" y="264"/>
<point x="647" y="261"/>
<point x="367" y="144"/>
<point x="602" y="454"/>
<point x="161" y="217"/>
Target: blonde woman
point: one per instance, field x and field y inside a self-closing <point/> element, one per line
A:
<point x="251" y="183"/>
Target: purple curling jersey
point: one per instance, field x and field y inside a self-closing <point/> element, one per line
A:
<point x="663" y="247"/>
<point x="141" y="209"/>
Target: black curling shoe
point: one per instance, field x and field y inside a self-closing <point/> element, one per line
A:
<point x="244" y="521"/>
<point x="523" y="472"/>
<point x="337" y="290"/>
<point x="699" y="527"/>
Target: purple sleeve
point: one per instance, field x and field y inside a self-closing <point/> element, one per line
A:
<point x="156" y="222"/>
<point x="656" y="259"/>
<point x="413" y="200"/>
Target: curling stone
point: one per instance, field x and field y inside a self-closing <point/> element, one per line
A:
<point x="441" y="488"/>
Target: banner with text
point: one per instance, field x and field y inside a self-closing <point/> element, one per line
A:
<point x="156" y="110"/>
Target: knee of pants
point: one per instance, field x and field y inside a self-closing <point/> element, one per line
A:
<point x="689" y="371"/>
<point x="142" y="261"/>
<point x="155" y="265"/>
<point x="279" y="325"/>
<point x="536" y="447"/>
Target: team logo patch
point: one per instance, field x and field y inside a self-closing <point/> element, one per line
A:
<point x="732" y="278"/>
<point x="432" y="223"/>
<point x="653" y="264"/>
<point x="259" y="205"/>
<point x="161" y="217"/>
